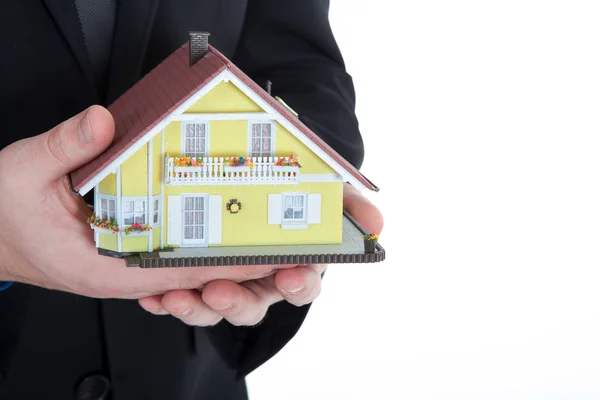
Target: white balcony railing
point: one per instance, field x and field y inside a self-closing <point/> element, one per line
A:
<point x="218" y="171"/>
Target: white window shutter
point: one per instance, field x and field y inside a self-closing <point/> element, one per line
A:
<point x="275" y="209"/>
<point x="215" y="219"/>
<point x="174" y="218"/>
<point x="314" y="208"/>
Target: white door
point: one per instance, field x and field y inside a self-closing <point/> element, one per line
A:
<point x="195" y="208"/>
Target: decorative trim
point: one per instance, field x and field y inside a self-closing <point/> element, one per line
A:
<point x="96" y="209"/>
<point x="150" y="199"/>
<point x="119" y="207"/>
<point x="223" y="116"/>
<point x="234" y="206"/>
<point x="161" y="209"/>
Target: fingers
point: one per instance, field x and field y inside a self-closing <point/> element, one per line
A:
<point x="301" y="285"/>
<point x="186" y="305"/>
<point x="242" y="304"/>
<point x="365" y="212"/>
<point x="236" y="303"/>
<point x="70" y="144"/>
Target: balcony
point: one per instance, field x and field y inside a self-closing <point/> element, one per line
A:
<point x="186" y="171"/>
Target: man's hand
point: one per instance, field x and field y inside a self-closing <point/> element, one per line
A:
<point x="44" y="239"/>
<point x="246" y="303"/>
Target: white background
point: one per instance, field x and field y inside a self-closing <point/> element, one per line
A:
<point x="481" y="122"/>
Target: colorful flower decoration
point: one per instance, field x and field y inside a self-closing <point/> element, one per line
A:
<point x="372" y="237"/>
<point x="186" y="161"/>
<point x="291" y="161"/>
<point x="137" y="228"/>
<point x="234" y="206"/>
<point x="103" y="223"/>
<point x="240" y="162"/>
<point x="114" y="227"/>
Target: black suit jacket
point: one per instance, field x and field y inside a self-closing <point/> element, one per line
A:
<point x="51" y="341"/>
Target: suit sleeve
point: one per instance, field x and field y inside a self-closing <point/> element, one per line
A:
<point x="291" y="44"/>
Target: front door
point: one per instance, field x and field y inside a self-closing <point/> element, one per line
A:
<point x="195" y="208"/>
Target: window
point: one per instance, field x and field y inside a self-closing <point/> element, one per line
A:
<point x="156" y="208"/>
<point x="261" y="139"/>
<point x="294" y="207"/>
<point x="195" y="139"/>
<point x="134" y="211"/>
<point x="108" y="209"/>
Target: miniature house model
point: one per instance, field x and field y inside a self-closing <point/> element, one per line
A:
<point x="207" y="168"/>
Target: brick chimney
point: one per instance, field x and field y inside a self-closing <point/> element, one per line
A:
<point x="198" y="46"/>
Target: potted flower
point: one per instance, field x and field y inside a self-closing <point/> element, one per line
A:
<point x="370" y="242"/>
<point x="111" y="225"/>
<point x="186" y="161"/>
<point x="238" y="165"/>
<point x="291" y="161"/>
<point x="137" y="228"/>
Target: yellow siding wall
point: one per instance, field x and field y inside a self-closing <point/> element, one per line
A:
<point x="228" y="138"/>
<point x="173" y="139"/>
<point x="224" y="98"/>
<point x="108" y="241"/>
<point x="108" y="185"/>
<point x="250" y="226"/>
<point x="286" y="143"/>
<point x="134" y="174"/>
<point x="134" y="243"/>
<point x="156" y="238"/>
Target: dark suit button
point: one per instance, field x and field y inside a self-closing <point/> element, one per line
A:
<point x="93" y="387"/>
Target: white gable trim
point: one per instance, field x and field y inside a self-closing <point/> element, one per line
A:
<point x="112" y="167"/>
<point x="226" y="75"/>
<point x="293" y="130"/>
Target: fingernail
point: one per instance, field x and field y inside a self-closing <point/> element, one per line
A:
<point x="223" y="309"/>
<point x="294" y="291"/>
<point x="186" y="312"/>
<point x="84" y="129"/>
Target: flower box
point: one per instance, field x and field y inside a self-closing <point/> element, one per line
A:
<point x="370" y="243"/>
<point x="236" y="169"/>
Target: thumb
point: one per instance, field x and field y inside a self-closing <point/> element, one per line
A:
<point x="365" y="212"/>
<point x="71" y="144"/>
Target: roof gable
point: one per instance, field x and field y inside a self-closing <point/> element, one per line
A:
<point x="172" y="88"/>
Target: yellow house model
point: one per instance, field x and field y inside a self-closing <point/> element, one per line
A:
<point x="207" y="168"/>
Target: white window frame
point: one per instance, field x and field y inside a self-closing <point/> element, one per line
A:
<point x="206" y="136"/>
<point x="193" y="242"/>
<point x="254" y="122"/>
<point x="296" y="222"/>
<point x="134" y="199"/>
<point x="154" y="212"/>
<point x="107" y="198"/>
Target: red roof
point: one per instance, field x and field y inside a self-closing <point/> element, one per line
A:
<point x="166" y="88"/>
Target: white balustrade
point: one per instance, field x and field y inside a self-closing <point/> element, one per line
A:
<point x="218" y="171"/>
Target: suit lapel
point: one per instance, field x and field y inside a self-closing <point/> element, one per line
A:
<point x="132" y="30"/>
<point x="65" y="16"/>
